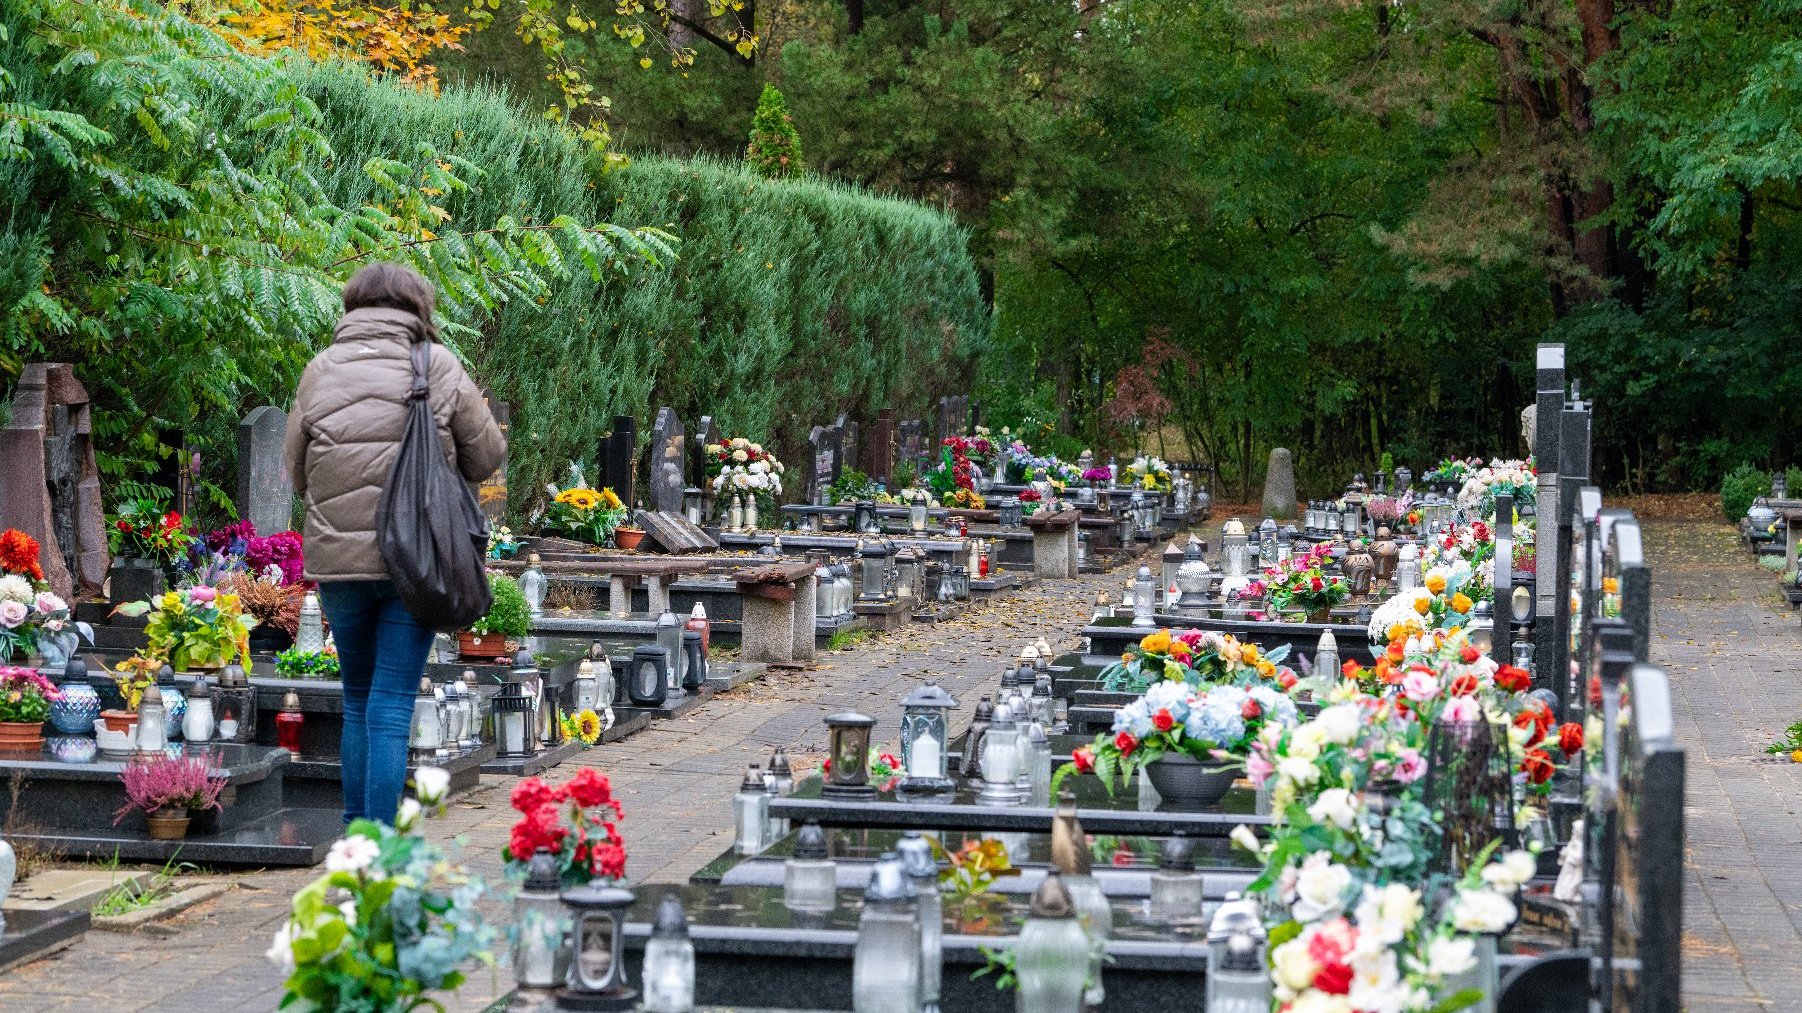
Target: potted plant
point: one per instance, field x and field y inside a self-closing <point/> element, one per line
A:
<point x="509" y="618"/>
<point x="274" y="605"/>
<point x="25" y="699"/>
<point x="583" y="513"/>
<point x="168" y="791"/>
<point x="1299" y="584"/>
<point x="196" y="627"/>
<point x="295" y="663"/>
<point x="131" y="678"/>
<point x="145" y="540"/>
<point x="1190" y="742"/>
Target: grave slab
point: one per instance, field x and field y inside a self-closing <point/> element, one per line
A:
<point x="31" y="935"/>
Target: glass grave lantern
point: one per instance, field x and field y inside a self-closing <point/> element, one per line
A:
<point x="1233" y="547"/>
<point x="782" y="775"/>
<point x="1051" y="960"/>
<point x="153" y="722"/>
<point x="809" y="875"/>
<point x="916" y="513"/>
<point x="946" y="581"/>
<point x="515" y="729"/>
<point x="456" y="716"/>
<point x="648" y="685"/>
<point x="669" y="961"/>
<point x="960" y="582"/>
<point x="584" y="689"/>
<point x="692" y="501"/>
<point x="235" y="706"/>
<point x="1236" y="918"/>
<point x="885" y="965"/>
<point x="751" y="812"/>
<point x="1176" y="893"/>
<point x="197" y="724"/>
<point x="694" y="662"/>
<point x="1001" y="759"/>
<point x="1037" y="755"/>
<point x="1010" y="512"/>
<point x="309" y="638"/>
<point x="1481" y="628"/>
<point x="925" y="734"/>
<point x="597" y="966"/>
<point x="1267" y="541"/>
<point x="669" y="637"/>
<point x="533" y="584"/>
<point x="848" y="742"/>
<point x="541" y="948"/>
<point x="288" y="722"/>
<point x="922" y="869"/>
<point x="426" y="739"/>
<point x="872" y="570"/>
<point x="476" y="706"/>
<point x="864" y="518"/>
<point x="1144" y="613"/>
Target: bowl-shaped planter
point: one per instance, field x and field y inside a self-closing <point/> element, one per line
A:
<point x="1188" y="781"/>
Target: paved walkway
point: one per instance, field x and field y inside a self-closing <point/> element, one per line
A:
<point x="1731" y="645"/>
<point x="676" y="780"/>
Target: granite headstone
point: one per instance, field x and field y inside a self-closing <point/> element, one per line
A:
<point x="49" y="483"/>
<point x="1279" y="484"/>
<point x="265" y="496"/>
<point x="668" y="461"/>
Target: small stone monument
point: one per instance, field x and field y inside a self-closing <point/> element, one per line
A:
<point x="49" y="484"/>
<point x="668" y="471"/>
<point x="1279" y="484"/>
<point x="265" y="496"/>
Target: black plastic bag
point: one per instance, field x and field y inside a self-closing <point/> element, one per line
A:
<point x="429" y="526"/>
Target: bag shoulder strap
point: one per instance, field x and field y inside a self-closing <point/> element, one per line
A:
<point x="422" y="359"/>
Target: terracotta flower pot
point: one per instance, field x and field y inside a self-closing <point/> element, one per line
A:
<point x="119" y="721"/>
<point x="21" y="736"/>
<point x="167" y="824"/>
<point x="488" y="646"/>
<point x="627" y="538"/>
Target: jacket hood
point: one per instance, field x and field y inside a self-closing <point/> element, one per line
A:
<point x="377" y="323"/>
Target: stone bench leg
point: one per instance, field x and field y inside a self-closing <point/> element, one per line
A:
<point x="1050" y="556"/>
<point x="803" y="623"/>
<point x="619" y="597"/>
<point x="658" y="592"/>
<point x="773" y="629"/>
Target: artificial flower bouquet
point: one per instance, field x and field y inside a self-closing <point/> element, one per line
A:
<point x="581" y="512"/>
<point x="1452" y="471"/>
<point x="1098" y="476"/>
<point x="1519" y="479"/>
<point x="738" y="466"/>
<point x="1213" y="725"/>
<point x="885" y="768"/>
<point x="26" y="696"/>
<point x="278" y="558"/>
<point x="1300" y="583"/>
<point x="194" y="627"/>
<point x="143" y="530"/>
<point x="577" y="822"/>
<point x="1030" y="502"/>
<point x="1198" y="659"/>
<point x="391" y="921"/>
<point x="31" y="616"/>
<point x="956" y="470"/>
<point x="584" y="726"/>
<point x="1439" y="604"/>
<point x="1149" y="473"/>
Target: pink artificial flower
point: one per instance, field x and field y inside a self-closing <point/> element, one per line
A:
<point x="1258" y="769"/>
<point x="1463" y="708"/>
<point x="1410" y="766"/>
<point x="202" y="594"/>
<point x="13" y="614"/>
<point x="1420" y="686"/>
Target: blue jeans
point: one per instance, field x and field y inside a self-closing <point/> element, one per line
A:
<point x="381" y="655"/>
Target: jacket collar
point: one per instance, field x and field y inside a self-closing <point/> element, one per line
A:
<point x="378" y="323"/>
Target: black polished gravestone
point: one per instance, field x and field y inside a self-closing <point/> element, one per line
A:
<point x="619" y="457"/>
<point x="705" y="434"/>
<point x="31" y="934"/>
<point x="669" y="460"/>
<point x="824" y="442"/>
<point x="1547" y="406"/>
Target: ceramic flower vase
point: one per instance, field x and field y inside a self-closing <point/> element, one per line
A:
<point x="1186" y="781"/>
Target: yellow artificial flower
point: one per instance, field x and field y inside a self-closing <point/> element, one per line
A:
<point x="1422" y="604"/>
<point x="1611" y="585"/>
<point x="1266" y="668"/>
<point x="1149" y="481"/>
<point x="581" y="499"/>
<point x="169" y="600"/>
<point x="1157" y="643"/>
<point x="1460" y="603"/>
<point x="610" y="499"/>
<point x="1249" y="654"/>
<point x="1435" y="582"/>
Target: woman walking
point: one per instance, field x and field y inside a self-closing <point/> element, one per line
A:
<point x="344" y="432"/>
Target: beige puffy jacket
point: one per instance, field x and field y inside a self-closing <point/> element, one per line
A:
<point x="345" y="430"/>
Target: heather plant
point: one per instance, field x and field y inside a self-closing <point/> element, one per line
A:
<point x="167" y="782"/>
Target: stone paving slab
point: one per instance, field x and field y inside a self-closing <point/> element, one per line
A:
<point x="675" y="779"/>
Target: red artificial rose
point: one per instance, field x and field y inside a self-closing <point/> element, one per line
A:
<point x="1162" y="720"/>
<point x="171" y="521"/>
<point x="532" y="793"/>
<point x="1470" y="655"/>
<point x="1538" y="766"/>
<point x="1512" y="679"/>
<point x="1394" y="653"/>
<point x="1334" y="978"/>
<point x="1315" y="583"/>
<point x="1122" y="858"/>
<point x="1570" y="738"/>
<point x="1595" y="691"/>
<point x="122" y="524"/>
<point x="1084" y="759"/>
<point x="1463" y="685"/>
<point x="1125" y="743"/>
<point x="1287" y="680"/>
<point x="1527" y="719"/>
<point x="1251" y="710"/>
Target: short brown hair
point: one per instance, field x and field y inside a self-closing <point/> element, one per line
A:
<point x="392" y="286"/>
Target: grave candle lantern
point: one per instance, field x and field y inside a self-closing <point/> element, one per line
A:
<point x="864" y="517"/>
<point x="153" y="722"/>
<point x="1236" y="919"/>
<point x="848" y="739"/>
<point x="694" y="662"/>
<point x="751" y="812"/>
<point x="1176" y="886"/>
<point x="1044" y="706"/>
<point x="1232" y="546"/>
<point x="1000" y="759"/>
<point x="310" y="637"/>
<point x="585" y="687"/>
<point x="456" y="717"/>
<point x="809" y="876"/>
<point x="597" y="967"/>
<point x="916" y="513"/>
<point x="288" y="723"/>
<point x="540" y="953"/>
<point x="1070" y="853"/>
<point x="947" y="583"/>
<point x="1521" y="605"/>
<point x="1051" y="958"/>
<point x="669" y="961"/>
<point x="960" y="577"/>
<point x="1169" y="562"/>
<point x="235" y="703"/>
<point x="697" y="621"/>
<point x="691" y="505"/>
<point x="1010" y="511"/>
<point x="648" y="685"/>
<point x="1038" y="764"/>
<point x="1480" y="630"/>
<point x="512" y="718"/>
<point x="1326" y="655"/>
<point x="197" y="724"/>
<point x="781" y="773"/>
<point x="475" y="709"/>
<point x="1143" y="611"/>
<point x="885" y="966"/>
<point x="669" y="637"/>
<point x="1267" y="540"/>
<point x="924" y="735"/>
<point x="923" y="875"/>
<point x="872" y="567"/>
<point x="532" y="584"/>
<point x="428" y="722"/>
<point x="907" y="572"/>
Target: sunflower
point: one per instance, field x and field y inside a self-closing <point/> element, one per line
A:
<point x="610" y="500"/>
<point x="585" y="725"/>
<point x="581" y="499"/>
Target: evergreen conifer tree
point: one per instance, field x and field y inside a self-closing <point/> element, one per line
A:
<point x="775" y="148"/>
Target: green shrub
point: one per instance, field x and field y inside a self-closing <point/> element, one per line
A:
<point x="509" y="616"/>
<point x="1792" y="475"/>
<point x="1772" y="562"/>
<point x="1739" y="488"/>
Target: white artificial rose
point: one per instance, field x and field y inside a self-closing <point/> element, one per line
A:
<point x="1335" y="806"/>
<point x="1292" y="967"/>
<point x="408" y="815"/>
<point x="352" y="854"/>
<point x="1388" y="913"/>
<point x="1320" y="889"/>
<point x="281" y="949"/>
<point x="1453" y="956"/>
<point x="740" y="456"/>
<point x="759" y="467"/>
<point x="1244" y="838"/>
<point x="1320" y="1002"/>
<point x="431" y="784"/>
<point x="1511" y="872"/>
<point x="1340" y="723"/>
<point x="1297" y="770"/>
<point x="1482" y="911"/>
<point x="1305" y="743"/>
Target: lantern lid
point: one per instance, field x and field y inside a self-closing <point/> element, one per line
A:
<point x="1003" y="717"/>
<point x="1236" y="915"/>
<point x="985" y="710"/>
<point x="929" y="695"/>
<point x="595" y="897"/>
<point x="1267" y="524"/>
<point x="541" y="873"/>
<point x="753" y="779"/>
<point x="1144" y="573"/>
<point x="672" y="921"/>
<point x="1242" y="954"/>
<point x="691" y="636"/>
<point x="668" y="618"/>
<point x="198" y="688"/>
<point x="1041" y="684"/>
<point x="850" y="719"/>
<point x="916" y="856"/>
<point x="425" y="685"/>
<point x="1328" y="642"/>
<point x="1008" y="675"/>
<point x="1043" y="646"/>
<point x="649" y="652"/>
<point x="532" y="559"/>
<point x="779" y="762"/>
<point x="1232" y="527"/>
<point x="77" y="670"/>
<point x="1069" y="848"/>
<point x="152" y="695"/>
<point x="1178" y="854"/>
<point x="1035" y="733"/>
<point x="585" y="669"/>
<point x="1029" y="653"/>
<point x="469" y="677"/>
<point x="512" y="697"/>
<point x="810" y="843"/>
<point x="523" y="659"/>
<point x="1052" y="899"/>
<point x="291" y="702"/>
<point x="1173" y="551"/>
<point x="888" y="881"/>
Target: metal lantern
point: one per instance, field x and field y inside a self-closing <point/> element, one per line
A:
<point x="694" y="662"/>
<point x="960" y="582"/>
<point x="1144" y="609"/>
<point x="864" y="518"/>
<point x="1010" y="511"/>
<point x="235" y="705"/>
<point x="1238" y="979"/>
<point x="872" y="570"/>
<point x="669" y="961"/>
<point x="540" y="950"/>
<point x="848" y="739"/>
<point x="1404" y="477"/>
<point x="597" y="966"/>
<point x="669" y="637"/>
<point x="947" y="582"/>
<point x="973" y="741"/>
<point x="532" y="584"/>
<point x="309" y="638"/>
<point x="427" y="734"/>
<point x="648" y="685"/>
<point x="1267" y="541"/>
<point x="925" y="734"/>
<point x="515" y="733"/>
<point x="885" y="965"/>
<point x="1171" y="561"/>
